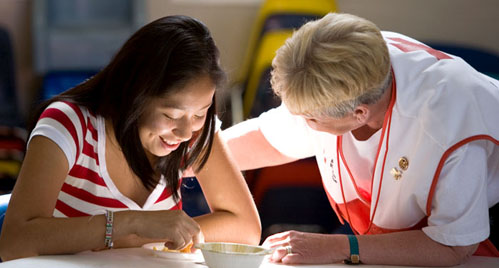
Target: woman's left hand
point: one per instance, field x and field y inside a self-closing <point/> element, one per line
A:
<point x="299" y="247"/>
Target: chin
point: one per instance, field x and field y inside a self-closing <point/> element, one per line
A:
<point x="162" y="154"/>
<point x="158" y="152"/>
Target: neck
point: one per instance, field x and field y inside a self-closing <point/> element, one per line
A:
<point x="114" y="149"/>
<point x="380" y="108"/>
<point x="111" y="138"/>
<point x="378" y="112"/>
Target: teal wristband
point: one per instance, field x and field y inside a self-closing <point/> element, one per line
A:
<point x="354" y="250"/>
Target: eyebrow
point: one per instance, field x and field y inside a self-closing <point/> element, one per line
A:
<point x="178" y="107"/>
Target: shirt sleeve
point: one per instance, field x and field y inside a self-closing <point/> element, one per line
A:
<point x="218" y="124"/>
<point x="286" y="132"/>
<point x="62" y="123"/>
<point x="459" y="215"/>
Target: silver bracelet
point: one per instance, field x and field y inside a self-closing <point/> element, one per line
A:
<point x="108" y="240"/>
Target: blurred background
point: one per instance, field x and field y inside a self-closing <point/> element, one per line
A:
<point x="48" y="46"/>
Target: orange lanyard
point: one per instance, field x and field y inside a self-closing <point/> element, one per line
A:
<point x="339" y="153"/>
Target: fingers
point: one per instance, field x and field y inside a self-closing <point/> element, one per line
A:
<point x="284" y="255"/>
<point x="185" y="231"/>
<point x="292" y="259"/>
<point x="181" y="242"/>
<point x="198" y="238"/>
<point x="278" y="254"/>
<point x="283" y="245"/>
<point x="277" y="237"/>
<point x="277" y="240"/>
<point x="176" y="241"/>
<point x="189" y="229"/>
<point x="280" y="242"/>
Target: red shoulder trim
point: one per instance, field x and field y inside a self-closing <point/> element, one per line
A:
<point x="442" y="161"/>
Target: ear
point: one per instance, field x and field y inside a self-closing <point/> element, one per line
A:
<point x="362" y="113"/>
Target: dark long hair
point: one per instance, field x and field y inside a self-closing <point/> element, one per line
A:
<point x="160" y="58"/>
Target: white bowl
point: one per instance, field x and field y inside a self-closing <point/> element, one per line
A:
<point x="230" y="255"/>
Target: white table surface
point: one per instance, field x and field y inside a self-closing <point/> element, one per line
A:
<point x="138" y="257"/>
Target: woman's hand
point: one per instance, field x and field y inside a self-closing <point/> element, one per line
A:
<point x="298" y="247"/>
<point x="174" y="227"/>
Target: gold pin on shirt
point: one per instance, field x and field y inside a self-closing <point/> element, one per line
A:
<point x="404" y="163"/>
<point x="397" y="174"/>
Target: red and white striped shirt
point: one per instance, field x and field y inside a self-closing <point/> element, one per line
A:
<point x="88" y="189"/>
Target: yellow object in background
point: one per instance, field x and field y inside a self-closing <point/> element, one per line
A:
<point x="281" y="7"/>
<point x="276" y="21"/>
<point x="10" y="167"/>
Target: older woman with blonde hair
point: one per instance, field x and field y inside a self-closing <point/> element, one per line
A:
<point x="400" y="133"/>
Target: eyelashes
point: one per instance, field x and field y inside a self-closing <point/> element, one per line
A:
<point x="196" y="116"/>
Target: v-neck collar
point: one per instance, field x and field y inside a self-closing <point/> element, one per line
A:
<point x="101" y="151"/>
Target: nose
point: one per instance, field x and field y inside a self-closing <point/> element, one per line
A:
<point x="183" y="129"/>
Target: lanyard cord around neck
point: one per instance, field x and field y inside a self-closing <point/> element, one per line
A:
<point x="339" y="152"/>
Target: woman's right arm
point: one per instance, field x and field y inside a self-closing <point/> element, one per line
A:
<point x="29" y="228"/>
<point x="250" y="148"/>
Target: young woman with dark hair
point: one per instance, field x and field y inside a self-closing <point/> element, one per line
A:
<point x="111" y="151"/>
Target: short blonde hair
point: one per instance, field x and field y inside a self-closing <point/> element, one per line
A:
<point x="331" y="65"/>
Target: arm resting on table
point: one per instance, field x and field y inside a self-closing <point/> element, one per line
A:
<point x="411" y="248"/>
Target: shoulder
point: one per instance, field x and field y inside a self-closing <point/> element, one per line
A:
<point x="414" y="60"/>
<point x="67" y="115"/>
<point x="68" y="125"/>
<point x="430" y="79"/>
<point x="58" y="109"/>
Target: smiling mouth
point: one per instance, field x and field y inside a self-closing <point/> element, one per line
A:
<point x="167" y="142"/>
<point x="170" y="145"/>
